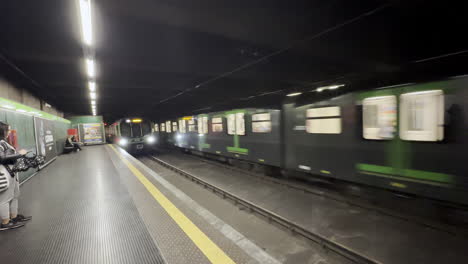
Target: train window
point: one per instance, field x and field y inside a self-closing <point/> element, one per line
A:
<point x="136" y="130"/>
<point x="422" y="116"/>
<point x="217" y="124"/>
<point x="145" y="128"/>
<point x="168" y="126"/>
<point x="174" y="126"/>
<point x="231" y="124"/>
<point x="320" y="112"/>
<point x="156" y="128"/>
<point x="324" y="120"/>
<point x="240" y="124"/>
<point x="379" y="117"/>
<point x="261" y="117"/>
<point x="202" y="124"/>
<point x="192" y="127"/>
<point x="236" y="124"/>
<point x="125" y="130"/>
<point x="163" y="127"/>
<point x="261" y="127"/>
<point x="182" y="128"/>
<point x="261" y="123"/>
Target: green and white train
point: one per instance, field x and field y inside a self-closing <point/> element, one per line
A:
<point x="410" y="138"/>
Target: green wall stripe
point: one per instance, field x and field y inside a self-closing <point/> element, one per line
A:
<point x="415" y="174"/>
<point x="27" y="110"/>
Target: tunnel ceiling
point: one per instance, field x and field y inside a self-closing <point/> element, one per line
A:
<point x="162" y="59"/>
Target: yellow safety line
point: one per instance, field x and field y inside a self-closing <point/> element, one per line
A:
<point x="202" y="241"/>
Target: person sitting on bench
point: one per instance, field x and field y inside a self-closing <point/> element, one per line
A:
<point x="71" y="144"/>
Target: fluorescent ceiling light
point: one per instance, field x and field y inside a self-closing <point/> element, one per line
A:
<point x="90" y="68"/>
<point x="92" y="95"/>
<point x="293" y="94"/>
<point x="330" y="87"/>
<point x="86" y="25"/>
<point x="93" y="102"/>
<point x="92" y="86"/>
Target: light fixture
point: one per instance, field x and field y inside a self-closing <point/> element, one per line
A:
<point x="128" y="120"/>
<point x="329" y="87"/>
<point x="150" y="139"/>
<point x="92" y="95"/>
<point x="92" y="86"/>
<point x="332" y="87"/>
<point x="93" y="102"/>
<point x="293" y="94"/>
<point x="123" y="142"/>
<point x="90" y="68"/>
<point x="136" y="120"/>
<point x="86" y="25"/>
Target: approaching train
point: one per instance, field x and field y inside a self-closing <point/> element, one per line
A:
<point x="132" y="134"/>
<point x="409" y="138"/>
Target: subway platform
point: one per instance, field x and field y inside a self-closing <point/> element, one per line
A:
<point x="104" y="206"/>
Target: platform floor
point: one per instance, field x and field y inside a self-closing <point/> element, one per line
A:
<point x="103" y="206"/>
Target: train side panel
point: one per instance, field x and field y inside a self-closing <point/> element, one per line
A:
<point x="393" y="157"/>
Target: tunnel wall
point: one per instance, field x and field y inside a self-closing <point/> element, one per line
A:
<point x="21" y="118"/>
<point x="23" y="96"/>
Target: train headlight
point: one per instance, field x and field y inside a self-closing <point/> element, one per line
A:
<point x="150" y="139"/>
<point x="123" y="142"/>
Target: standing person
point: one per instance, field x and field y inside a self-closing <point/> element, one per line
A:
<point x="9" y="184"/>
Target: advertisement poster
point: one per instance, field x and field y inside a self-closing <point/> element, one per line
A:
<point x="92" y="133"/>
<point x="45" y="142"/>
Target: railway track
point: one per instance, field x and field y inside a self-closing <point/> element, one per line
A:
<point x="354" y="201"/>
<point x="272" y="217"/>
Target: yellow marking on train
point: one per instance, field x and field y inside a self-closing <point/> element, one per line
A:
<point x="137" y="120"/>
<point x="202" y="241"/>
<point x="325" y="172"/>
<point x="398" y="185"/>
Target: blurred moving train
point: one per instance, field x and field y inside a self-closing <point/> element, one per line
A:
<point x="410" y="138"/>
<point x="132" y="134"/>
